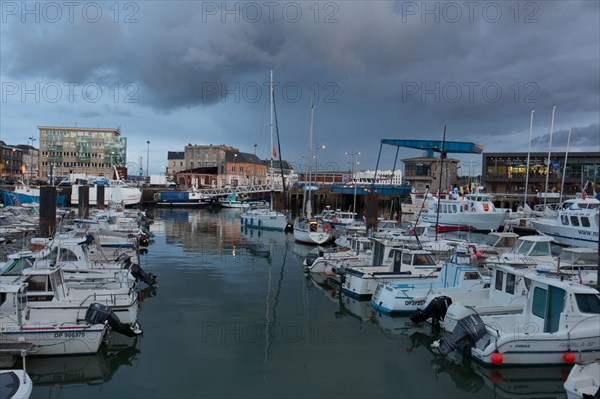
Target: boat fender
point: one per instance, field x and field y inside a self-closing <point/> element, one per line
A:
<point x="473" y="209"/>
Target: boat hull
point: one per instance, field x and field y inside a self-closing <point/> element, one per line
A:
<point x="52" y="339"/>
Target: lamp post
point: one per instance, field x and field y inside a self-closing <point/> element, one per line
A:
<point x="235" y="170"/>
<point x="319" y="147"/>
<point x="148" y="161"/>
<point x="354" y="163"/>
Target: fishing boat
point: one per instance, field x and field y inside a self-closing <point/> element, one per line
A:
<point x="191" y="198"/>
<point x="26" y="194"/>
<point x="558" y="324"/>
<point x="575" y="225"/>
<point x="474" y="211"/>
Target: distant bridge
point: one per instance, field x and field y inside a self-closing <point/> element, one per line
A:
<point x="259" y="188"/>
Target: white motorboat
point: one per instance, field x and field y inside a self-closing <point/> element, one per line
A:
<point x="506" y="294"/>
<point x="458" y="274"/>
<point x="575" y="225"/>
<point x="584" y="381"/>
<point x="232" y="201"/>
<point x="409" y="266"/>
<point x="474" y="211"/>
<point x="60" y="335"/>
<point x="116" y="191"/>
<point x="15" y="384"/>
<point x="558" y="324"/>
<point x="359" y="253"/>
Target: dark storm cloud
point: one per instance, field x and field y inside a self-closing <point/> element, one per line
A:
<point x="586" y="138"/>
<point x="395" y="70"/>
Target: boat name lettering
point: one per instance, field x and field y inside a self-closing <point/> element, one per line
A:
<point x="522" y="346"/>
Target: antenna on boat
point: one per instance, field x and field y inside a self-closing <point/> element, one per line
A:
<point x="442" y="156"/>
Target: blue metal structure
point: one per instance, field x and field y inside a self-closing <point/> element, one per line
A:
<point x="432" y="146"/>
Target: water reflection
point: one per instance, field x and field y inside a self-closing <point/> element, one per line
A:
<point x="57" y="372"/>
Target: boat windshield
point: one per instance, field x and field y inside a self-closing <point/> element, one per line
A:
<point x="15" y="266"/>
<point x="588" y="303"/>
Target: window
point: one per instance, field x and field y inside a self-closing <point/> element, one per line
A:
<point x="510" y="283"/>
<point x="37" y="283"/>
<point x="585" y="222"/>
<point x="406" y="258"/>
<point x="499" y="278"/>
<point x="574" y="220"/>
<point x="588" y="303"/>
<point x="565" y="220"/>
<point x="538" y="307"/>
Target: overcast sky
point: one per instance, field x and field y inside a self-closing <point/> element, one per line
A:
<point x="197" y="72"/>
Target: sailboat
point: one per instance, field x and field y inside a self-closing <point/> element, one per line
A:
<point x="308" y="229"/>
<point x="266" y="218"/>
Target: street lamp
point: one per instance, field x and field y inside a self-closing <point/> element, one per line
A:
<point x="354" y="163"/>
<point x="235" y="169"/>
<point x="319" y="147"/>
<point x="148" y="160"/>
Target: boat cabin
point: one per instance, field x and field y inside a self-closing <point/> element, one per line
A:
<point x="553" y="304"/>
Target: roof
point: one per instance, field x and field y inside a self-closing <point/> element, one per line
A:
<point x="176" y="155"/>
<point x="243" y="157"/>
<point x="285" y="164"/>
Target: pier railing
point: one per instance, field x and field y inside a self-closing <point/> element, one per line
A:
<point x="259" y="188"/>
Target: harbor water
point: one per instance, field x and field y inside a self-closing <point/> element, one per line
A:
<point x="235" y="316"/>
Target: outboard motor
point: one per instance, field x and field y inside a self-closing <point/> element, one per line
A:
<point x="311" y="258"/>
<point x="138" y="273"/>
<point x="436" y="310"/>
<point x="145" y="230"/>
<point x="467" y="332"/>
<point x="100" y="314"/>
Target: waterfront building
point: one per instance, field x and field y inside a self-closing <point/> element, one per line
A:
<point x="219" y="166"/>
<point x="175" y="162"/>
<point x="90" y="151"/>
<point x="421" y="172"/>
<point x="11" y="160"/>
<point x="30" y="162"/>
<point x="505" y="172"/>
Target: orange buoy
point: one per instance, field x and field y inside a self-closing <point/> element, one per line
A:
<point x="497" y="358"/>
<point x="569" y="357"/>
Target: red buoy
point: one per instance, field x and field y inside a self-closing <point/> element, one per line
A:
<point x="569" y="357"/>
<point x="497" y="358"/>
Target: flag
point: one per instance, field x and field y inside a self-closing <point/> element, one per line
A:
<point x="583" y="195"/>
<point x="364" y="219"/>
<point x="579" y="275"/>
<point x="274" y="151"/>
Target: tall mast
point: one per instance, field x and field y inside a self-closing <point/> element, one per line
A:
<point x="271" y="133"/>
<point x="528" y="158"/>
<point x="562" y="184"/>
<point x="548" y="161"/>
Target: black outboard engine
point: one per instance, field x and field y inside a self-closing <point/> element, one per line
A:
<point x="311" y="258"/>
<point x="100" y="314"/>
<point x="136" y="270"/>
<point x="139" y="274"/>
<point x="436" y="310"/>
<point x="467" y="332"/>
